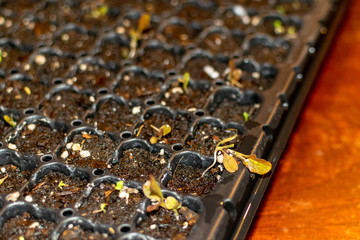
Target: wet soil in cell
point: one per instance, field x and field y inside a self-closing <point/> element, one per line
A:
<point x="163" y="224"/>
<point x="113" y="117"/>
<point x="220" y="43"/>
<point x="58" y="106"/>
<point x="12" y="58"/>
<point x="120" y="205"/>
<point x="91" y="76"/>
<point x="203" y="68"/>
<point x="137" y="164"/>
<point x="207" y="137"/>
<point x="189" y="180"/>
<point x="38" y="139"/>
<point x="157" y="59"/>
<point x="194" y="98"/>
<point x="44" y="67"/>
<point x="194" y="12"/>
<point x="230" y="111"/>
<point x="253" y="81"/>
<point x="179" y="128"/>
<point x="12" y="178"/>
<point x="74" y="42"/>
<point x="21" y="94"/>
<point x="111" y="52"/>
<point x="263" y="54"/>
<point x="27" y="227"/>
<point x="178" y="34"/>
<point x="88" y="150"/>
<point x="137" y="86"/>
<point x="56" y="190"/>
<point x="76" y="232"/>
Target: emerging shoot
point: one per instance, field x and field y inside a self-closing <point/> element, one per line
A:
<point x="162" y="131"/>
<point x="230" y="159"/>
<point x="61" y="184"/>
<point x="246" y="116"/>
<point x="153" y="192"/>
<point x="103" y="206"/>
<point x="184" y="80"/>
<point x="99" y="11"/>
<point x="119" y="185"/>
<point x="136" y="35"/>
<point x="3" y="179"/>
<point x="234" y="75"/>
<point x="10" y="120"/>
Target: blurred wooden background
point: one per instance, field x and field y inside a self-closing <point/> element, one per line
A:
<point x="315" y="192"/>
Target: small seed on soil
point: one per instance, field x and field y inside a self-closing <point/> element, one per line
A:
<point x="64" y="155"/>
<point x="69" y="145"/>
<point x="34" y="225"/>
<point x="92" y="99"/>
<point x="136" y="110"/>
<point x="31" y="127"/>
<point x="162" y="161"/>
<point x="76" y="147"/>
<point x="153" y="226"/>
<point x="12" y="146"/>
<point x="211" y="72"/>
<point x="40" y="59"/>
<point x="3" y="169"/>
<point x="84" y="154"/>
<point x="28" y="198"/>
<point x="13" y="196"/>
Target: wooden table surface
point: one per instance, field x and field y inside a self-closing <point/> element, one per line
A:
<point x="315" y="192"/>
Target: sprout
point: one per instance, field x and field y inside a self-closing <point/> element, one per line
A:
<point x="10" y="120"/>
<point x="103" y="206"/>
<point x="234" y="75"/>
<point x="246" y="116"/>
<point x="185" y="79"/>
<point x="27" y="90"/>
<point x="278" y="26"/>
<point x="99" y="11"/>
<point x="230" y="159"/>
<point x="152" y="191"/>
<point x="61" y="184"/>
<point x="3" y="179"/>
<point x="119" y="185"/>
<point x="1" y="56"/>
<point x="162" y="131"/>
<point x="136" y="35"/>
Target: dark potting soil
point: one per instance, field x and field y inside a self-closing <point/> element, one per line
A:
<point x="176" y="98"/>
<point x="203" y="68"/>
<point x="88" y="150"/>
<point x="76" y="232"/>
<point x="74" y="41"/>
<point x="220" y="43"/>
<point x="12" y="178"/>
<point x="21" y="94"/>
<point x="158" y="59"/>
<point x="38" y="139"/>
<point x="230" y="111"/>
<point x="189" y="179"/>
<point x="137" y="164"/>
<point x="207" y="137"/>
<point x="163" y="224"/>
<point x="137" y="86"/>
<point x="27" y="227"/>
<point x="57" y="107"/>
<point x="113" y="117"/>
<point x="178" y="34"/>
<point x="179" y="128"/>
<point x="56" y="190"/>
<point x="120" y="205"/>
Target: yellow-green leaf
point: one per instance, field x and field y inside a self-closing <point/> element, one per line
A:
<point x="171" y="203"/>
<point x="3" y="179"/>
<point x="153" y="140"/>
<point x="225" y="141"/>
<point x="230" y="163"/>
<point x="10" y="120"/>
<point x="254" y="164"/>
<point x="165" y="129"/>
<point x="119" y="185"/>
<point x="246" y="116"/>
<point x="61" y="184"/>
<point x="143" y="23"/>
<point x="185" y="80"/>
<point x="152" y="190"/>
<point x="103" y="206"/>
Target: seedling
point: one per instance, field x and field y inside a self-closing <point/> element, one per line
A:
<point x="230" y="159"/>
<point x="185" y="79"/>
<point x="3" y="179"/>
<point x="10" y="120"/>
<point x="136" y="35"/>
<point x="119" y="185"/>
<point x="99" y="11"/>
<point x="103" y="206"/>
<point x="162" y="131"/>
<point x="234" y="75"/>
<point x="1" y="56"/>
<point x="27" y="90"/>
<point x="278" y="27"/>
<point x="152" y="191"/>
<point x="246" y="116"/>
<point x="61" y="184"/>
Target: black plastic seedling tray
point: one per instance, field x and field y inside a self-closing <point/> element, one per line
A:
<point x="78" y="103"/>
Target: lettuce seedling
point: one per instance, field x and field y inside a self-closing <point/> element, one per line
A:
<point x="234" y="75"/>
<point x="152" y="191"/>
<point x="230" y="159"/>
<point x="162" y="131"/>
<point x="136" y="35"/>
<point x="184" y="80"/>
<point x="10" y="120"/>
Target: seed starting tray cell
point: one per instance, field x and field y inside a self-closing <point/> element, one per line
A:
<point x="97" y="96"/>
